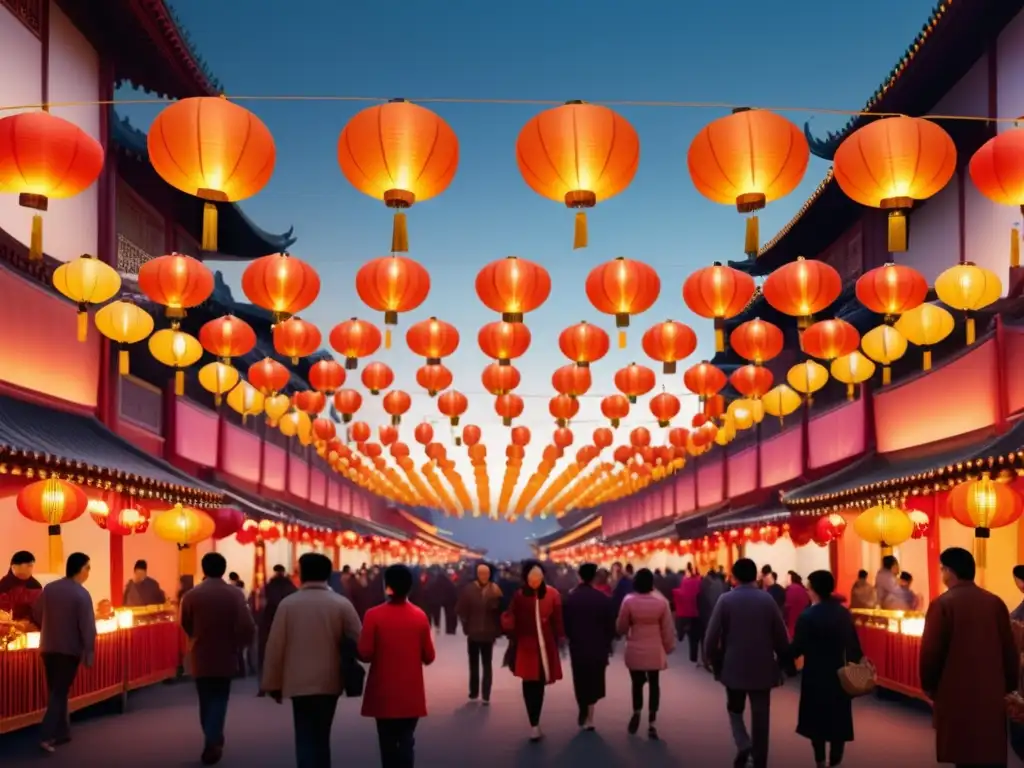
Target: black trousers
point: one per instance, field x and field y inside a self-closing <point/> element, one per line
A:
<point x="835" y="751"/>
<point x="480" y="653"/>
<point x="313" y="717"/>
<point x="434" y="614"/>
<point x="451" y="620"/>
<point x="397" y="742"/>
<point x="652" y="678"/>
<point x="533" y="697"/>
<point x="760" y="722"/>
<point x="214" y="694"/>
<point x="60" y="670"/>
<point x="691" y="630"/>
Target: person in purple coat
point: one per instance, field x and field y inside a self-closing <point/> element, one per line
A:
<point x="589" y="619"/>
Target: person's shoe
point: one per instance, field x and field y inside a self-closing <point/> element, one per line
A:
<point x="581" y="718"/>
<point x="486" y="701"/>
<point x="473" y="697"/>
<point x="212" y="755"/>
<point x="589" y="724"/>
<point x="48" y="746"/>
<point x="652" y="732"/>
<point x="536" y="734"/>
<point x="634" y="724"/>
<point x="742" y="758"/>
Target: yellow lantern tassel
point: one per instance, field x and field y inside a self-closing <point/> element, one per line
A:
<point x="295" y="361"/>
<point x="400" y="234"/>
<point x="753" y="238"/>
<point x="387" y="338"/>
<point x="981" y="552"/>
<point x="970" y="330"/>
<point x="209" y="226"/>
<point x="186" y="560"/>
<point x="580" y="238"/>
<point x="926" y="360"/>
<point x="719" y="335"/>
<point x="897" y="232"/>
<point x="1014" y="248"/>
<point x="35" y="248"/>
<point x="83" y="325"/>
<point x="217" y="400"/>
<point x="55" y="549"/>
<point x="849" y="391"/>
<point x="622" y="339"/>
<point x="179" y="383"/>
<point x="886" y="375"/>
<point x="122" y="362"/>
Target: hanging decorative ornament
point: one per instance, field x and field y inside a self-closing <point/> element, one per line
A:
<point x="583" y="343"/>
<point x="925" y="326"/>
<point x="781" y="401"/>
<point x="471" y="435"/>
<point x="513" y="287"/>
<point x="452" y="404"/>
<point x="634" y="381"/>
<point x="124" y="323"/>
<point x="704" y="380"/>
<point x="718" y="293"/>
<point x="424" y="433"/>
<point x="997" y="170"/>
<point x="326" y="376"/>
<point x="268" y="376"/>
<point x="433" y="378"/>
<point x="752" y="381"/>
<point x="246" y="400"/>
<point x="43" y="158"/>
<point x="891" y="290"/>
<point x="400" y="153"/>
<point x="212" y="149"/>
<point x="748" y="159"/>
<point x="579" y="154"/>
<point x="623" y="287"/>
<point x="353" y="339"/>
<point x="519" y="436"/>
<point x="890" y="163"/>
<point x="227" y="337"/>
<point x="396" y="403"/>
<point x="885" y="345"/>
<point x="885" y="525"/>
<point x="802" y="288"/>
<point x="509" y="407"/>
<point x="669" y="343"/>
<point x="830" y="339"/>
<point x="295" y="338"/>
<point x="309" y="401"/>
<point x="178" y="350"/>
<point x="504" y="341"/>
<point x="757" y="341"/>
<point x="347" y="402"/>
<point x="392" y="284"/>
<point x="359" y="432"/>
<point x="376" y="377"/>
<point x="968" y="288"/>
<point x="218" y="379"/>
<point x="615" y="408"/>
<point x="571" y="380"/>
<point x="280" y="284"/>
<point x="807" y="378"/>
<point x="500" y="379"/>
<point x="85" y="281"/>
<point x="562" y="438"/>
<point x="665" y="407"/>
<point x="176" y="281"/>
<point x="433" y="339"/>
<point x="563" y="408"/>
<point x="852" y="369"/>
<point x="603" y="436"/>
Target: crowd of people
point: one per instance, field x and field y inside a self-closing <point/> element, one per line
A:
<point x="314" y="638"/>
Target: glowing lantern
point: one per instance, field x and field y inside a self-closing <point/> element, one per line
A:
<point x="583" y="343"/>
<point x="246" y="400"/>
<point x="176" y="281"/>
<point x="433" y="378"/>
<point x="44" y="157"/>
<point x="52" y="502"/>
<point x="227" y="337"/>
<point x="997" y="170"/>
<point x="296" y="338"/>
<point x="185" y="527"/>
<point x="400" y="153"/>
<point x="347" y="402"/>
<point x="275" y="407"/>
<point x="984" y="504"/>
<point x="668" y="343"/>
<point x="579" y="154"/>
<point x="309" y="401"/>
<point x="399" y="451"/>
<point x="968" y="288"/>
<point x="885" y="525"/>
<point x="802" y="288"/>
<point x="123" y="322"/>
<point x="270" y="531"/>
<point x="268" y="376"/>
<point x="353" y="339"/>
<point x="500" y="379"/>
<point x="392" y="284"/>
<point x="326" y="376"/>
<point x="748" y="159"/>
<point x="295" y="423"/>
<point x="562" y="438"/>
<point x="603" y="437"/>
<point x="925" y="326"/>
<point x="424" y="433"/>
<point x="325" y="431"/>
<point x="807" y="378"/>
<point x="178" y="350"/>
<point x="127" y="521"/>
<point x="891" y="290"/>
<point x="623" y="454"/>
<point x="563" y="408"/>
<point x="226" y="521"/>
<point x="513" y="286"/>
<point x="280" y="284"/>
<point x="359" y="432"/>
<point x="452" y="404"/>
<point x="99" y="511"/>
<point x="892" y="162"/>
<point x="830" y="339"/>
<point x="504" y="341"/>
<point x="751" y="380"/>
<point x="677" y="436"/>
<point x="640" y="437"/>
<point x="471" y="435"/>
<point x="396" y="403"/>
<point x="432" y="339"/>
<point x="757" y="341"/>
<point x="704" y="380"/>
<point x="571" y="380"/>
<point x="852" y="369"/>
<point x="218" y="379"/>
<point x="781" y="401"/>
<point x="248" y="533"/>
<point x="665" y="407"/>
<point x="745" y="413"/>
<point x="377" y="376"/>
<point x="885" y="345"/>
<point x="718" y="292"/>
<point x="509" y="407"/>
<point x="921" y="523"/>
<point x="85" y="281"/>
<point x="615" y="408"/>
<point x="634" y="381"/>
<point x="623" y="287"/>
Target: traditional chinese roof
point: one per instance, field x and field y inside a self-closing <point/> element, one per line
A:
<point x="239" y="236"/>
<point x="753" y="514"/>
<point x="48" y="442"/>
<point x="589" y="525"/>
<point x="659" y="529"/>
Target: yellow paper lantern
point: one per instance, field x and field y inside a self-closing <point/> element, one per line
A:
<point x="123" y="322"/>
<point x="184" y="527"/>
<point x="727" y="432"/>
<point x="885" y="525"/>
<point x="885" y="345"/>
<point x="295" y="423"/>
<point x="780" y="401"/>
<point x="178" y="350"/>
<point x="218" y="379"/>
<point x="852" y="369"/>
<point x="807" y="378"/>
<point x="246" y="400"/>
<point x="968" y="288"/>
<point x="275" y="407"/>
<point x="925" y="326"/>
<point x="85" y="281"/>
<point x="745" y="413"/>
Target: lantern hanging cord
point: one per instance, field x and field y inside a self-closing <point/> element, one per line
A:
<point x="512" y="102"/>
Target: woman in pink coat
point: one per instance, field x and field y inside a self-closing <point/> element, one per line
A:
<point x="797" y="601"/>
<point x="646" y="620"/>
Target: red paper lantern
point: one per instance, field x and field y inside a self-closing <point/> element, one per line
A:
<point x="623" y="287"/>
<point x="359" y="432"/>
<point x="504" y="341"/>
<point x="623" y="454"/>
<point x="562" y="438"/>
<point x="353" y="339"/>
<point x="309" y="401"/>
<point x="603" y="437"/>
<point x="520" y="436"/>
<point x="226" y="521"/>
<point x="704" y="380"/>
<point x="377" y="376"/>
<point x="678" y="437"/>
<point x="324" y="430"/>
<point x="281" y="284"/>
<point x="513" y="286"/>
<point x="668" y="343"/>
<point x="396" y="402"/>
<point x="387" y="434"/>
<point x="347" y="402"/>
<point x="176" y="281"/>
<point x="583" y="343"/>
<point x="563" y="408"/>
<point x="751" y="380"/>
<point x="830" y="339"/>
<point x="509" y="407"/>
<point x="326" y="376"/>
<point x="433" y="378"/>
<point x="665" y="407"/>
<point x="392" y="284"/>
<point x="268" y="376"/>
<point x="892" y="289"/>
<point x="452" y="404"/>
<point x="471" y="435"/>
<point x="296" y="338"/>
<point x="500" y="379"/>
<point x="802" y="288"/>
<point x="615" y="408"/>
<point x="571" y="380"/>
<point x="634" y="381"/>
<point x="640" y="437"/>
<point x="433" y="339"/>
<point x="227" y="337"/>
<point x="757" y="341"/>
<point x="719" y="293"/>
<point x="399" y="450"/>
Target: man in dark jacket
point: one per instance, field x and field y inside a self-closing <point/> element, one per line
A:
<point x="711" y="589"/>
<point x="142" y="590"/>
<point x="448" y="598"/>
<point x="479" y="610"/>
<point x="277" y="589"/>
<point x="589" y="618"/>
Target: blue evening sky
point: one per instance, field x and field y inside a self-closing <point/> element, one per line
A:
<point x="798" y="53"/>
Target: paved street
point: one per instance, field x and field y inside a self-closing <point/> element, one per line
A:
<point x="161" y="728"/>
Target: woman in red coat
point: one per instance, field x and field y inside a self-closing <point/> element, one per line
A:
<point x="533" y="622"/>
<point x="396" y="642"/>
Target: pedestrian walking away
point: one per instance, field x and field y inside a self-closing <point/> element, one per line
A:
<point x="589" y="619"/>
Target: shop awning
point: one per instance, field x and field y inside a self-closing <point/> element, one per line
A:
<point x="589" y="529"/>
<point x="546" y="539"/>
<point x="695" y="524"/>
<point x="755" y="514"/>
<point x="898" y="471"/>
<point x="652" y="530"/>
<point x="35" y="437"/>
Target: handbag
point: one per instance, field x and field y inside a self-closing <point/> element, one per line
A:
<point x="858" y="678"/>
<point x="353" y="674"/>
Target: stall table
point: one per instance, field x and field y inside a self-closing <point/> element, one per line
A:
<point x="892" y="641"/>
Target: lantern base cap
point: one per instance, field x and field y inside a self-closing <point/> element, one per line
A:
<point x="580" y="198"/>
<point x="750" y="202"/>
<point x="399" y="198"/>
<point x="35" y="202"/>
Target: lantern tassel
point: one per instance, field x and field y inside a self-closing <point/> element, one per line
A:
<point x="886" y="375"/>
<point x="753" y="238"/>
<point x="981" y="552"/>
<point x="897" y="232"/>
<point x="186" y="560"/>
<point x="970" y="331"/>
<point x="55" y="549"/>
<point x="400" y="234"/>
<point x="1014" y="248"/>
<point x="179" y="383"/>
<point x="580" y="238"/>
<point x="719" y="336"/>
<point x="387" y="338"/>
<point x="83" y="325"/>
<point x="622" y="339"/>
<point x="35" y="248"/>
<point x="926" y="360"/>
<point x="122" y="362"/>
<point x="209" y="227"/>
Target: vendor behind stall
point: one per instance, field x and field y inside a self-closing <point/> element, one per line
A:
<point x="143" y="590"/>
<point x="18" y="589"/>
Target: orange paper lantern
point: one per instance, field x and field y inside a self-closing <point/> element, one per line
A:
<point x="704" y="380"/>
<point x="377" y="376"/>
<point x="509" y="407"/>
<point x="452" y="404"/>
<point x="396" y="402"/>
<point x="432" y="339"/>
<point x="891" y="290"/>
<point x="227" y="337"/>
<point x="280" y="284"/>
<point x="603" y="437"/>
<point x="326" y="376"/>
<point x="665" y="407"/>
<point x="562" y="438"/>
<point x="984" y="504"/>
<point x="309" y="401"/>
<point x="520" y="436"/>
<point x="268" y="376"/>
<point x="752" y="380"/>
<point x="423" y="433"/>
<point x="347" y="402"/>
<point x="640" y="437"/>
<point x="802" y="288"/>
<point x="433" y="378"/>
<point x="757" y="341"/>
<point x="513" y="286"/>
<point x="634" y="380"/>
<point x="830" y="339"/>
<point x="623" y="287"/>
<point x="392" y="284"/>
<point x="500" y="379"/>
<point x="471" y="435"/>
<point x="615" y="408"/>
<point x="359" y="432"/>
<point x="571" y="380"/>
<point x="563" y="408"/>
<point x="997" y="170"/>
<point x="387" y="434"/>
<point x="176" y="281"/>
<point x="295" y="338"/>
<point x="668" y="343"/>
<point x="354" y="339"/>
<point x="718" y="293"/>
<point x="504" y="341"/>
